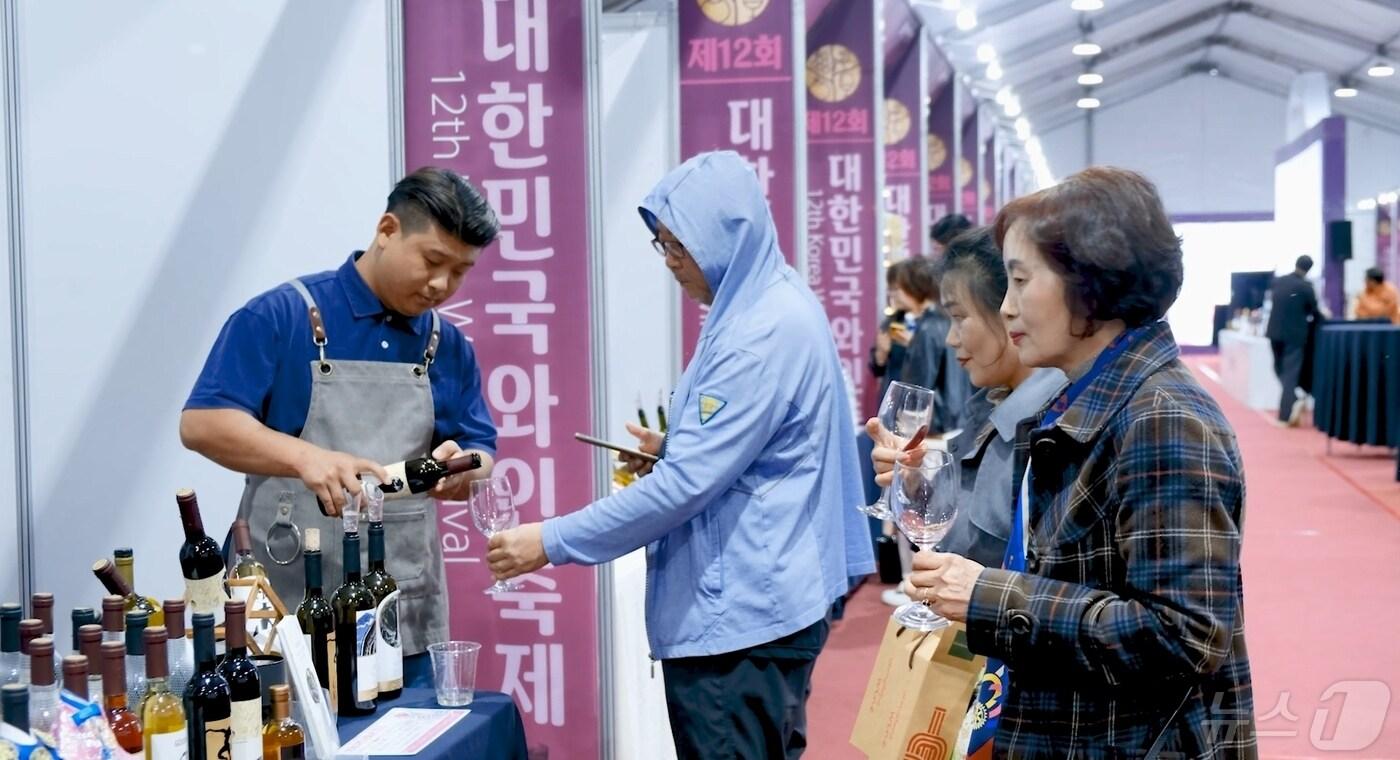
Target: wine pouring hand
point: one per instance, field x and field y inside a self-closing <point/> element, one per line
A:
<point x="331" y="474"/>
<point x="453" y="487"/>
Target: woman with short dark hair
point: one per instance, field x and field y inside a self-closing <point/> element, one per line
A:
<point x="927" y="361"/>
<point x="1118" y="616"/>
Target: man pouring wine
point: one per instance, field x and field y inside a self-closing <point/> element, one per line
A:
<point x="345" y="372"/>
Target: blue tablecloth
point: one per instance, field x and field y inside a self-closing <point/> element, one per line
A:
<point x="1357" y="384"/>
<point x="494" y="728"/>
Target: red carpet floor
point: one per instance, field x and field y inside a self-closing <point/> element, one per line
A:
<point x="1322" y="601"/>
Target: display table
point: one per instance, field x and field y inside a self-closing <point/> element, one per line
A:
<point x="1357" y="384"/>
<point x="1247" y="370"/>
<point x="494" y="728"/>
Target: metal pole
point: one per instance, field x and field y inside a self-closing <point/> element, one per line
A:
<point x="394" y="51"/>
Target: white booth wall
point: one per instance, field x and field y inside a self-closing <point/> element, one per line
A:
<point x="178" y="159"/>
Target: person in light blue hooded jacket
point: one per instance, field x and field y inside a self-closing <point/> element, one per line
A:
<point x="750" y="517"/>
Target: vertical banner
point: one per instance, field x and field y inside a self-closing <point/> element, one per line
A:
<point x="986" y="179"/>
<point x="498" y="91"/>
<point x="844" y="92"/>
<point x="903" y="199"/>
<point x="967" y="162"/>
<point x="940" y="153"/>
<point x="1385" y="243"/>
<point x="738" y="93"/>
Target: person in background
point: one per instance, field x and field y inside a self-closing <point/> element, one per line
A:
<point x="1379" y="300"/>
<point x="749" y="518"/>
<point x="929" y="363"/>
<point x="945" y="229"/>
<point x="303" y="401"/>
<point x="1115" y="626"/>
<point x="887" y="356"/>
<point x="1291" y="317"/>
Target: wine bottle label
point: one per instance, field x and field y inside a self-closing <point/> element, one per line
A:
<point x="247" y="729"/>
<point x="390" y="662"/>
<point x="217" y="738"/>
<point x="332" y="673"/>
<point x="206" y="595"/>
<point x="292" y="753"/>
<point x="397" y="487"/>
<point x="366" y="649"/>
<point x="172" y="746"/>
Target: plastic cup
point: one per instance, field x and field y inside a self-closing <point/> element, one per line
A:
<point x="454" y="671"/>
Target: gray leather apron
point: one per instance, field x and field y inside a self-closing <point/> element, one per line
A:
<point x="381" y="411"/>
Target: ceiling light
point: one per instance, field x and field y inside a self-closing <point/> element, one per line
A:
<point x="967" y="19"/>
<point x="1012" y="109"/>
<point x="986" y="53"/>
<point x="1388" y="198"/>
<point x="1089" y="102"/>
<point x="1381" y="69"/>
<point x="1089" y="79"/>
<point x="1086" y="49"/>
<point x="1023" y="128"/>
<point x="1086" y="5"/>
<point x="1004" y="95"/>
<point x="1345" y="91"/>
<point x="1366" y="204"/>
<point x="1033" y="146"/>
<point x="994" y="71"/>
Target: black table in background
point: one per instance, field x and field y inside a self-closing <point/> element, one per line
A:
<point x="1356" y="384"/>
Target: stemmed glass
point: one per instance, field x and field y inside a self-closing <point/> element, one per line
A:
<point x="924" y="499"/>
<point x="904" y="410"/>
<point x="493" y="510"/>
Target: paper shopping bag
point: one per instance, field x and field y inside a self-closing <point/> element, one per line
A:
<point x="917" y="695"/>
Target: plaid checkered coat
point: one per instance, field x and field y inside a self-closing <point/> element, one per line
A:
<point x="1133" y="596"/>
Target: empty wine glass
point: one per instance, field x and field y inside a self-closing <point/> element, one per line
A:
<point x="493" y="510"/>
<point x="904" y="410"/>
<point x="924" y="500"/>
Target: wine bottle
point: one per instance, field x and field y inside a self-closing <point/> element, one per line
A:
<point x="178" y="646"/>
<point x="135" y="666"/>
<point x="125" y="560"/>
<point x="661" y="413"/>
<point x="162" y="712"/>
<point x="123" y="722"/>
<point x="81" y="616"/>
<point x="90" y="640"/>
<point x="43" y="692"/>
<point x="201" y="562"/>
<point x="113" y="618"/>
<point x="245" y="693"/>
<point x="354" y="685"/>
<point x="244" y="566"/>
<point x="389" y="651"/>
<point x="208" y="709"/>
<point x="116" y="585"/>
<point x="14" y="705"/>
<point x="41" y="608"/>
<point x="282" y="737"/>
<point x="419" y="475"/>
<point x="75" y="676"/>
<point x="315" y="614"/>
<point x="29" y="630"/>
<point x="11" y="669"/>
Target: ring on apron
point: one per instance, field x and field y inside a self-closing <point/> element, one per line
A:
<point x="283" y="540"/>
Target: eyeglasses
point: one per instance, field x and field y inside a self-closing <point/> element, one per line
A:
<point x="669" y="248"/>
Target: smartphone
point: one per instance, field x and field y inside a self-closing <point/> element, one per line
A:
<point x="616" y="447"/>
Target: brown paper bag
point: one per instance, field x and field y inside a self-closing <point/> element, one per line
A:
<point x="917" y="695"/>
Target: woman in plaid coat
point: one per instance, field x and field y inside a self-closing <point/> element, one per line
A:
<point x="1120" y="620"/>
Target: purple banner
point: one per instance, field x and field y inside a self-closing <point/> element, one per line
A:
<point x="843" y="202"/>
<point x="986" y="182"/>
<point x="903" y="197"/>
<point x="940" y="154"/>
<point x="967" y="166"/>
<point x="737" y="94"/>
<point x="1385" y="241"/>
<point x="496" y="91"/>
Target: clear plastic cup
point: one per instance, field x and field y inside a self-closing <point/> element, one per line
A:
<point x="454" y="671"/>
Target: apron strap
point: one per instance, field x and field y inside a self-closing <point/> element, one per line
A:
<point x="318" y="327"/>
<point x="430" y="353"/>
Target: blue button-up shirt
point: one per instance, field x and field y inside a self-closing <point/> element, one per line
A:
<point x="261" y="362"/>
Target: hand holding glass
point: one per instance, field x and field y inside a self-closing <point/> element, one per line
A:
<point x="924" y="500"/>
<point x="905" y="409"/>
<point x="493" y="510"/>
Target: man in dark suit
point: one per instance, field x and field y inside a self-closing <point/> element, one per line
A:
<point x="1294" y="309"/>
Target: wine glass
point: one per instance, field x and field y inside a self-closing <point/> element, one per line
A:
<point x="924" y="500"/>
<point x="904" y="410"/>
<point x="493" y="510"/>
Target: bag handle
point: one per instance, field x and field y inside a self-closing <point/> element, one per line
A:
<point x="1156" y="748"/>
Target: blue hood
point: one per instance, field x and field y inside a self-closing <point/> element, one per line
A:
<point x="714" y="205"/>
